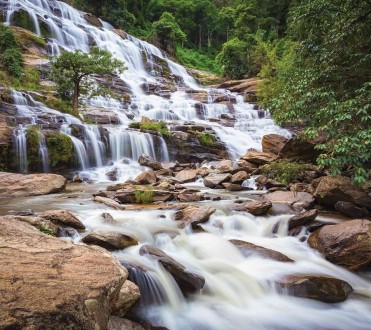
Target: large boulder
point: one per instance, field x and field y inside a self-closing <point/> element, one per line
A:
<point x="249" y="249"/>
<point x="295" y="200"/>
<point x="187" y="176"/>
<point x="332" y="189"/>
<point x="146" y="177"/>
<point x="347" y="244"/>
<point x="63" y="217"/>
<point x="351" y="210"/>
<point x="215" y="180"/>
<point x="259" y="158"/>
<point x="43" y="225"/>
<point x="322" y="288"/>
<point x="193" y="215"/>
<point x="188" y="282"/>
<point x="110" y="240"/>
<point x="54" y="283"/>
<point x="145" y="160"/>
<point x="129" y="294"/>
<point x="273" y="143"/>
<point x="256" y="207"/>
<point x="239" y="177"/>
<point x="296" y="150"/>
<point x="21" y="185"/>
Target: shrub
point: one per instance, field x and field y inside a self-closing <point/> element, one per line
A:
<point x="206" y="139"/>
<point x="159" y="127"/>
<point x="60" y="148"/>
<point x="144" y="196"/>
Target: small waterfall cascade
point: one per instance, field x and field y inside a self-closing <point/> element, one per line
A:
<point x="43" y="153"/>
<point x="20" y="143"/>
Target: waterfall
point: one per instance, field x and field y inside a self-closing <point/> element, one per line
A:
<point x="43" y="153"/>
<point x="20" y="142"/>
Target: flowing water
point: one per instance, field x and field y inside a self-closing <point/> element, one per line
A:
<point x="239" y="291"/>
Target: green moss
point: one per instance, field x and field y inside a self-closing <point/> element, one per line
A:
<point x="159" y="127"/>
<point x="284" y="171"/>
<point x="144" y="196"/>
<point x="206" y="139"/>
<point x="33" y="140"/>
<point x="46" y="231"/>
<point x="58" y="104"/>
<point x="22" y="19"/>
<point x="135" y="125"/>
<point x="30" y="80"/>
<point x="60" y="148"/>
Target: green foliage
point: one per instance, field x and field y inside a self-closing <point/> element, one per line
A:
<point x="58" y="104"/>
<point x="327" y="83"/>
<point x="284" y="171"/>
<point x="193" y="58"/>
<point x="135" y="125"/>
<point x="71" y="72"/>
<point x="10" y="53"/>
<point x="206" y="139"/>
<point x="144" y="196"/>
<point x="46" y="231"/>
<point x="60" y="148"/>
<point x="159" y="127"/>
<point x="33" y="139"/>
<point x="29" y="81"/>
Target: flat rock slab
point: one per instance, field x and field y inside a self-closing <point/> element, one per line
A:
<point x="22" y="185"/>
<point x="63" y="217"/>
<point x="54" y="282"/>
<point x="347" y="244"/>
<point x="110" y="240"/>
<point x="296" y="200"/>
<point x="317" y="287"/>
<point x="215" y="180"/>
<point x="187" y="176"/>
<point x="303" y="218"/>
<point x="193" y="215"/>
<point x="256" y="207"/>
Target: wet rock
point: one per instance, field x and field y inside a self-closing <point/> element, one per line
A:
<point x="108" y="218"/>
<point x="100" y="116"/>
<point x="273" y="143"/>
<point x="248" y="249"/>
<point x="270" y="183"/>
<point x="117" y="323"/>
<point x="109" y="202"/>
<point x="351" y="210"/>
<point x="143" y="196"/>
<point x="93" y="20"/>
<point x="21" y="185"/>
<point x="303" y="218"/>
<point x="145" y="160"/>
<point x="299" y="150"/>
<point x="322" y="288"/>
<point x="43" y="225"/>
<point x="54" y="282"/>
<point x="63" y="217"/>
<point x="22" y="213"/>
<point x="302" y="187"/>
<point x="187" y="176"/>
<point x="259" y="158"/>
<point x="333" y="189"/>
<point x="128" y="296"/>
<point x="146" y="177"/>
<point x="239" y="177"/>
<point x="187" y="197"/>
<point x="215" y="180"/>
<point x="193" y="215"/>
<point x="256" y="207"/>
<point x="225" y="166"/>
<point x="295" y="200"/>
<point x="112" y="175"/>
<point x="188" y="282"/>
<point x="233" y="186"/>
<point x="110" y="240"/>
<point x="347" y="244"/>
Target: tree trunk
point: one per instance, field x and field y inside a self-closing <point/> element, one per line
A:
<point x="75" y="98"/>
<point x="200" y="36"/>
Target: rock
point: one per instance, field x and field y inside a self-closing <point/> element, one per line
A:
<point x="93" y="20"/>
<point x="146" y="177"/>
<point x="112" y="175"/>
<point x="21" y="185"/>
<point x="214" y="180"/>
<point x="187" y="176"/>
<point x="299" y="150"/>
<point x="188" y="282"/>
<point x="63" y="217"/>
<point x="259" y="158"/>
<point x="333" y="189"/>
<point x="108" y="218"/>
<point x="302" y="187"/>
<point x="51" y="282"/>
<point x="21" y="213"/>
<point x="241" y="86"/>
<point x="239" y="177"/>
<point x="43" y="225"/>
<point x="100" y="116"/>
<point x="273" y="143"/>
<point x="347" y="244"/>
<point x="322" y="288"/>
<point x="256" y="207"/>
<point x="109" y="202"/>
<point x="248" y="249"/>
<point x="129" y="294"/>
<point x="145" y="160"/>
<point x="351" y="210"/>
<point x="110" y="240"/>
<point x="133" y="196"/>
<point x="303" y="218"/>
<point x="233" y="186"/>
<point x="193" y="215"/>
<point x="117" y="323"/>
<point x="296" y="200"/>
<point x="189" y="197"/>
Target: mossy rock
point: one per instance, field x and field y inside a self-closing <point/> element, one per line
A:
<point x="22" y="19"/>
<point x="60" y="148"/>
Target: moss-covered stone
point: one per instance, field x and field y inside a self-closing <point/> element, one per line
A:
<point x="60" y="148"/>
<point x="22" y="19"/>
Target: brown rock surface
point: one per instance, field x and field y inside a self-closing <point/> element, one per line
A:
<point x="259" y="158"/>
<point x="46" y="281"/>
<point x="347" y="244"/>
<point x="214" y="180"/>
<point x="146" y="177"/>
<point x="63" y="217"/>
<point x="21" y="185"/>
<point x="256" y="207"/>
<point x="187" y="176"/>
<point x="117" y="323"/>
<point x="145" y="160"/>
<point x="129" y="294"/>
<point x="193" y="215"/>
<point x="240" y="177"/>
<point x="110" y="240"/>
<point x="303" y="218"/>
<point x="296" y="200"/>
<point x="273" y="143"/>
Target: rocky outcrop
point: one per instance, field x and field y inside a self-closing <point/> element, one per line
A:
<point x="273" y="143"/>
<point x="295" y="200"/>
<point x="146" y="177"/>
<point x="215" y="180"/>
<point x="241" y="86"/>
<point x="110" y="240"/>
<point x="54" y="282"/>
<point x="322" y="288"/>
<point x="186" y="176"/>
<point x="347" y="244"/>
<point x="128" y="296"/>
<point x="63" y="217"/>
<point x="259" y="158"/>
<point x="296" y="150"/>
<point x="303" y="218"/>
<point x="21" y="185"/>
<point x="193" y="215"/>
<point x="239" y="177"/>
<point x="256" y="207"/>
<point x="333" y="189"/>
<point x="145" y="160"/>
<point x="249" y="249"/>
<point x="188" y="282"/>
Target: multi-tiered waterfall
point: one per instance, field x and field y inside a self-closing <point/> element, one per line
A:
<point x="239" y="292"/>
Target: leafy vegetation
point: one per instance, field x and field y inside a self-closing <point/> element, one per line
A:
<point x="60" y="148"/>
<point x="71" y="72"/>
<point x="159" y="127"/>
<point x="10" y="53"/>
<point x="284" y="171"/>
<point x="143" y="196"/>
<point x="206" y="139"/>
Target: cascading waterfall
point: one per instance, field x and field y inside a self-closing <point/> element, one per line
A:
<point x="43" y="153"/>
<point x="20" y="142"/>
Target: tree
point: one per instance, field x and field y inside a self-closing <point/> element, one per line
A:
<point x="327" y="84"/>
<point x="72" y="72"/>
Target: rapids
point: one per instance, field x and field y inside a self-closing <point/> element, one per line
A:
<point x="239" y="291"/>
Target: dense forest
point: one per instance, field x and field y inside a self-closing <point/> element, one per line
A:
<point x="312" y="56"/>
